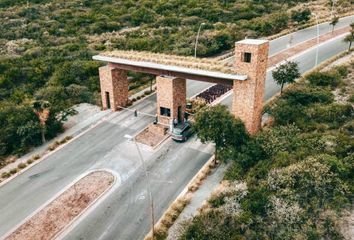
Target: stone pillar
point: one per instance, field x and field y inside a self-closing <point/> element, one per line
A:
<point x="250" y="59"/>
<point x="114" y="87"/>
<point x="171" y="99"/>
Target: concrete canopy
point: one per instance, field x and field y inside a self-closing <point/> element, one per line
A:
<point x="173" y="70"/>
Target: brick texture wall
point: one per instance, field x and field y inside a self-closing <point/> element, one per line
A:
<point x="115" y="82"/>
<point x="248" y="95"/>
<point x="171" y="93"/>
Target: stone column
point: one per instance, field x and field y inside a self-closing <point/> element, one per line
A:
<point x="171" y="99"/>
<point x="114" y="87"/>
<point x="250" y="59"/>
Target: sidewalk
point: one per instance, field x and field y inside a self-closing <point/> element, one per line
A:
<point x="198" y="199"/>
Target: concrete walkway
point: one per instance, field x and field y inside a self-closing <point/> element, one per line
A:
<point x="199" y="198"/>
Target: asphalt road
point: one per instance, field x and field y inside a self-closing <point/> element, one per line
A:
<point x="123" y="214"/>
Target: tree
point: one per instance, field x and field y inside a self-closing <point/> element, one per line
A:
<point x="334" y="22"/>
<point x="301" y="15"/>
<point x="41" y="109"/>
<point x="350" y="38"/>
<point x="286" y="73"/>
<point x="216" y="124"/>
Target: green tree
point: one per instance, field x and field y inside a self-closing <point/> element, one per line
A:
<point x="334" y="22"/>
<point x="286" y="73"/>
<point x="42" y="110"/>
<point x="301" y="15"/>
<point x="350" y="38"/>
<point x="216" y="124"/>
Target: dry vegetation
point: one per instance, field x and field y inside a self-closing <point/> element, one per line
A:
<point x="58" y="214"/>
<point x="173" y="60"/>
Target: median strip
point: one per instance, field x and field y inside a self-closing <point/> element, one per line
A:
<point x="48" y="222"/>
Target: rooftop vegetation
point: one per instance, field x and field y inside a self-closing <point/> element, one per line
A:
<point x="207" y="64"/>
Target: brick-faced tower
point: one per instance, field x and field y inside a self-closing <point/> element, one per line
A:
<point x="171" y="98"/>
<point x="114" y="87"/>
<point x="251" y="57"/>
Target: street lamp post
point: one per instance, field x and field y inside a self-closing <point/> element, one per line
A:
<point x="318" y="38"/>
<point x="334" y="2"/>
<point x="148" y="184"/>
<point x="197" y="39"/>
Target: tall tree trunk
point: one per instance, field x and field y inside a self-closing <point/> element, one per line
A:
<point x="216" y="155"/>
<point x="281" y="87"/>
<point x="350" y="45"/>
<point x="43" y="134"/>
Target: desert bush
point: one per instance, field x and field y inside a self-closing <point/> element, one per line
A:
<point x="5" y="175"/>
<point x="322" y="79"/>
<point x="305" y="95"/>
<point x="21" y="165"/>
<point x="30" y="161"/>
<point x="13" y="171"/>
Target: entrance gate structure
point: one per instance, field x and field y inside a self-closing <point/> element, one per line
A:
<point x="247" y="76"/>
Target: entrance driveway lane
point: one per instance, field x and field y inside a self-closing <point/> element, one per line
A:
<point x="170" y="172"/>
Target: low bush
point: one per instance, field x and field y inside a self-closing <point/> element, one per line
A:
<point x="30" y="161"/>
<point x="13" y="171"/>
<point x="306" y="95"/>
<point x="5" y="175"/>
<point x="21" y="165"/>
<point x="322" y="79"/>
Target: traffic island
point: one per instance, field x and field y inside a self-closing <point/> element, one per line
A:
<point x="153" y="135"/>
<point x="51" y="220"/>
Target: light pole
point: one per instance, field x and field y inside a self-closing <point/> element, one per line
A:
<point x="318" y="38"/>
<point x="196" y="40"/>
<point x="333" y="5"/>
<point x="148" y="184"/>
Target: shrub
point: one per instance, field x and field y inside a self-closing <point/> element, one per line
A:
<point x="351" y="98"/>
<point x="307" y="95"/>
<point x="13" y="171"/>
<point x="5" y="175"/>
<point x="36" y="157"/>
<point x="138" y="97"/>
<point x="134" y="99"/>
<point x="342" y="70"/>
<point x="30" y="161"/>
<point x="332" y="79"/>
<point x="333" y="114"/>
<point x="22" y="165"/>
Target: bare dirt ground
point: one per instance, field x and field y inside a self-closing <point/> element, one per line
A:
<point x="152" y="135"/>
<point x="58" y="214"/>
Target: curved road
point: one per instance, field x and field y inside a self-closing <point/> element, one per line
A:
<point x="123" y="214"/>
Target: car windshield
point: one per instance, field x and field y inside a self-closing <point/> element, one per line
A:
<point x="180" y="129"/>
<point x="177" y="130"/>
